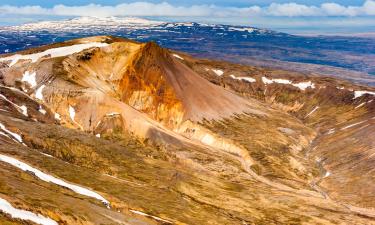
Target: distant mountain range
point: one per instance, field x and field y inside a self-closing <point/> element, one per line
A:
<point x="352" y="58"/>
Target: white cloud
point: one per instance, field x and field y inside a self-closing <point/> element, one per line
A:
<point x="334" y="9"/>
<point x="369" y="8"/>
<point x="292" y="9"/>
<point x="166" y="9"/>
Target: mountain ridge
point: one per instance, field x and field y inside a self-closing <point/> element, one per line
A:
<point x="344" y="57"/>
<point x="98" y="115"/>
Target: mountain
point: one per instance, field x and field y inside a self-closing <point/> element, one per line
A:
<point x="351" y="58"/>
<point x="106" y="130"/>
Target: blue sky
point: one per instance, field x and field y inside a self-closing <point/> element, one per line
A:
<point x="236" y="3"/>
<point x="294" y="16"/>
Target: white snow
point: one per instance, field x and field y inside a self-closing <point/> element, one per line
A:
<point x="360" y="105"/>
<point x="51" y="179"/>
<point x="185" y="24"/>
<point x="358" y="94"/>
<point x="4" y="134"/>
<point x="50" y="156"/>
<point x="312" y="111"/>
<point x="218" y="72"/>
<point x="24" y="110"/>
<point x="7" y="208"/>
<point x="352" y="125"/>
<point x="41" y="110"/>
<point x="53" y="52"/>
<point x="147" y="215"/>
<point x="279" y="81"/>
<point x="21" y="109"/>
<point x="98" y="124"/>
<point x="177" y="56"/>
<point x="72" y="113"/>
<point x="57" y="116"/>
<point x="247" y="29"/>
<point x="14" y="135"/>
<point x="97" y="135"/>
<point x="82" y="24"/>
<point x="331" y="131"/>
<point x="16" y="90"/>
<point x="265" y="80"/>
<point x="282" y="81"/>
<point x="113" y="114"/>
<point x="247" y="79"/>
<point x="302" y="85"/>
<point x="208" y="139"/>
<point x="39" y="92"/>
<point x="327" y="174"/>
<point x="29" y="78"/>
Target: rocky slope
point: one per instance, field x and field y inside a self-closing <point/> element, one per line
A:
<point x="104" y="130"/>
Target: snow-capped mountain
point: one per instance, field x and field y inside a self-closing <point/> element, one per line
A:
<point x="86" y="23"/>
<point x="348" y="57"/>
<point x="100" y="24"/>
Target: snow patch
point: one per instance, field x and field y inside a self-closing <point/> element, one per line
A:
<point x="358" y="94"/>
<point x="14" y="135"/>
<point x="24" y="110"/>
<point x="282" y="81"/>
<point x="51" y="179"/>
<point x="29" y="78"/>
<point x="243" y="29"/>
<point x="57" y="116"/>
<point x="360" y="105"/>
<point x="147" y="215"/>
<point x="352" y="125"/>
<point x="112" y="114"/>
<point x="53" y="52"/>
<point x="218" y="72"/>
<point x="7" y="208"/>
<point x="72" y="113"/>
<point x="97" y="135"/>
<point x="312" y="111"/>
<point x="42" y="111"/>
<point x="16" y="90"/>
<point x="49" y="156"/>
<point x="331" y="131"/>
<point x="265" y="80"/>
<point x="302" y="85"/>
<point x="39" y="92"/>
<point x="246" y="79"/>
<point x="208" y="139"/>
<point x="21" y="109"/>
<point x="178" y="57"/>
